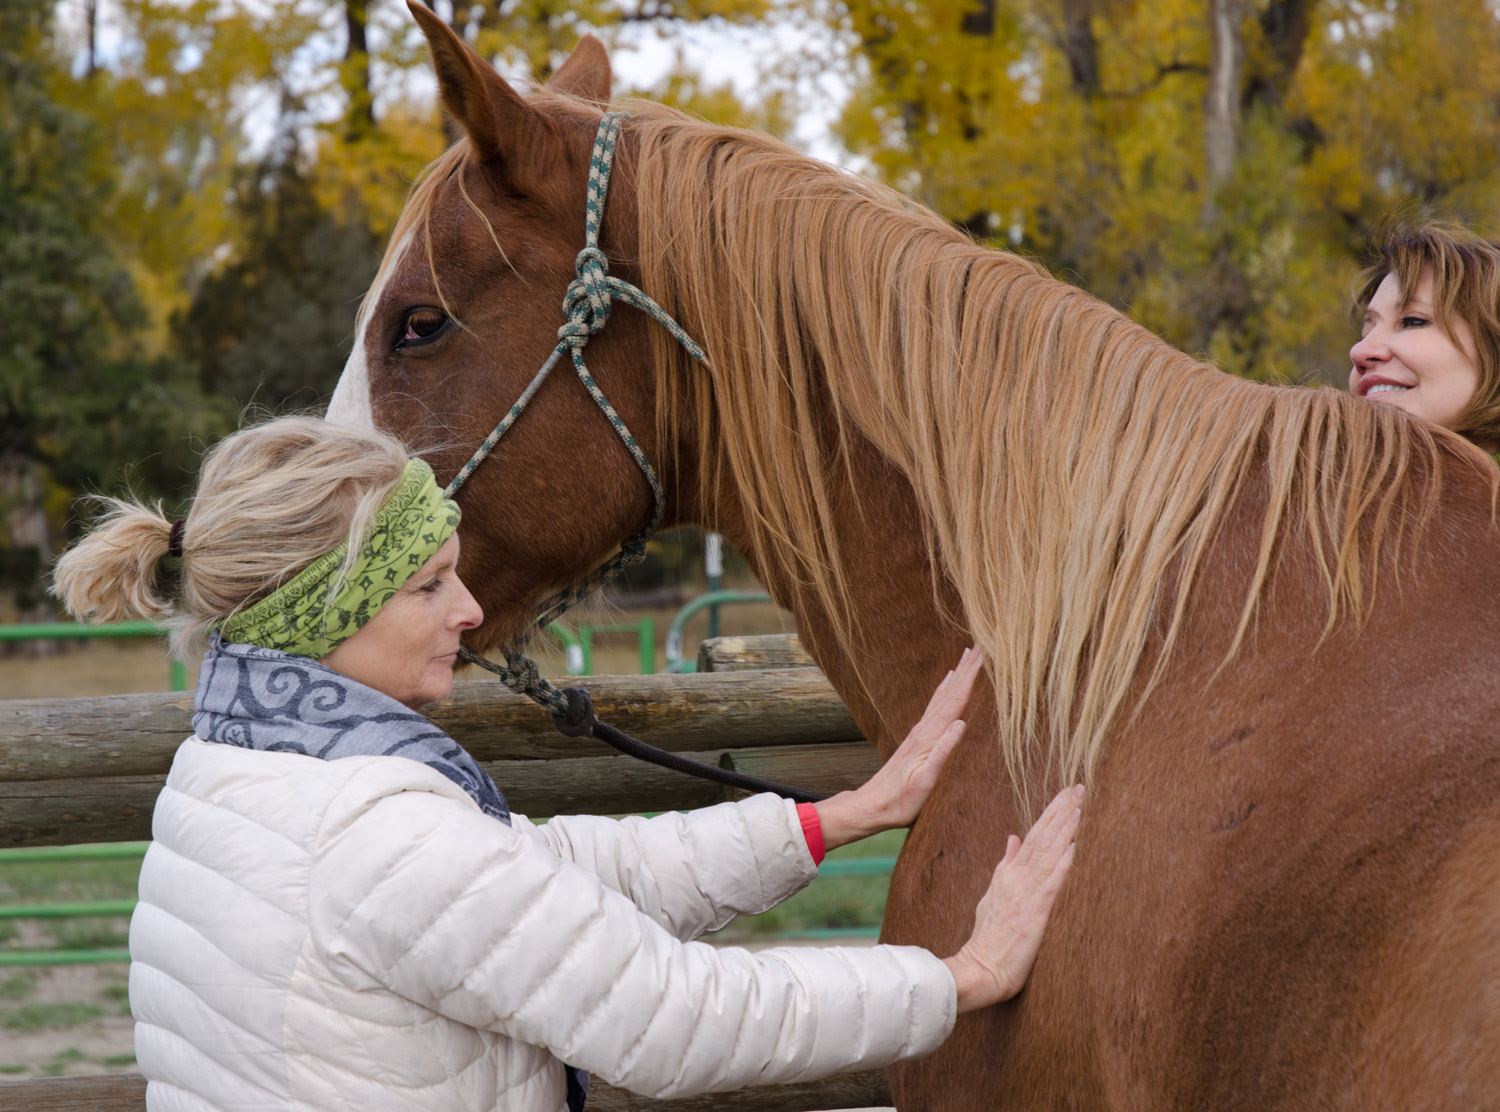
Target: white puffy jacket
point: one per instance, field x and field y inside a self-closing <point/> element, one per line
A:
<point x="358" y="935"/>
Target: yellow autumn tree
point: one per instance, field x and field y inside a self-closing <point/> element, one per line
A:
<point x="1211" y="166"/>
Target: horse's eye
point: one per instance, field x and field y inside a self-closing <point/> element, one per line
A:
<point x="421" y="324"/>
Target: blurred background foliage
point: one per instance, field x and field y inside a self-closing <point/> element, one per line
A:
<point x="194" y="193"/>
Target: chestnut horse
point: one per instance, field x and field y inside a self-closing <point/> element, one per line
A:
<point x="1260" y="621"/>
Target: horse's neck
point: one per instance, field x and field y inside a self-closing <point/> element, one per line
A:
<point x="905" y="615"/>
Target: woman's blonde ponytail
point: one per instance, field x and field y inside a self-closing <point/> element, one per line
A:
<point x="115" y="571"/>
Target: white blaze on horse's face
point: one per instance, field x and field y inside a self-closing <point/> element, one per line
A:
<point x="350" y="404"/>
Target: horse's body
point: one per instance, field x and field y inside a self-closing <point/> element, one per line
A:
<point x="1288" y="877"/>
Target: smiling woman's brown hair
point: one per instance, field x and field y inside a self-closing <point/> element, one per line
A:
<point x="1465" y="273"/>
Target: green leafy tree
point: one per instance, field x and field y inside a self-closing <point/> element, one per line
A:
<point x="275" y="325"/>
<point x="77" y="401"/>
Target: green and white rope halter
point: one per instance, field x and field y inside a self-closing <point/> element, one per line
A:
<point x="586" y="305"/>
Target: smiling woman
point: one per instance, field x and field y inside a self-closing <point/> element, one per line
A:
<point x="1429" y="315"/>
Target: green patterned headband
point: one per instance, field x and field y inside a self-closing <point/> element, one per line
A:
<point x="306" y="617"/>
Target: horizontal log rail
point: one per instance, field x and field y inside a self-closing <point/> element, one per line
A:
<point x="89" y="770"/>
<point x="127" y="1093"/>
<point x="136" y="735"/>
<point x="753" y="653"/>
<point x="118" y="808"/>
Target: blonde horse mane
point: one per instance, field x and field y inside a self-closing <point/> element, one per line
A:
<point x="1069" y="463"/>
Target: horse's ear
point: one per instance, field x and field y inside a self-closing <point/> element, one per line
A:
<point x="499" y="123"/>
<point x="586" y="73"/>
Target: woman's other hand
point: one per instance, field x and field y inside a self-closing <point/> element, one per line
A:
<point x="894" y="795"/>
<point x="1008" y="925"/>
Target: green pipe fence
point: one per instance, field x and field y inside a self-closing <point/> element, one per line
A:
<point x="645" y="631"/>
<point x="578" y="647"/>
<point x="841" y="868"/>
<point x="105" y="851"/>
<point x="711" y="600"/>
<point x="77" y="631"/>
<point x="101" y="851"/>
<point x="67" y="910"/>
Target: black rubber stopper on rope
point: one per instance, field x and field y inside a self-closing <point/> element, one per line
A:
<point x="578" y="720"/>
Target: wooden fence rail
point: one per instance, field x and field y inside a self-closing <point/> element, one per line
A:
<point x="89" y="770"/>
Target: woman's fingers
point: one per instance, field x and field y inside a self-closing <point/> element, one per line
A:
<point x="948" y="700"/>
<point x="1013" y="913"/>
<point x="944" y="708"/>
<point x="1048" y="834"/>
<point x="895" y="794"/>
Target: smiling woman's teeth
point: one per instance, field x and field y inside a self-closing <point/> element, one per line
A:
<point x="1383" y="388"/>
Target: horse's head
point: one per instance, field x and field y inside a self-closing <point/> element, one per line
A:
<point x="466" y="308"/>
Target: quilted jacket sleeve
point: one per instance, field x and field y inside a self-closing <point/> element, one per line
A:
<point x="692" y="872"/>
<point x="429" y="898"/>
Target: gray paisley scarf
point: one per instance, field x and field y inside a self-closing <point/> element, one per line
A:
<point x="259" y="698"/>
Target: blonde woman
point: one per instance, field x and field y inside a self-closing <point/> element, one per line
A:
<point x="339" y="911"/>
<point x="1429" y="316"/>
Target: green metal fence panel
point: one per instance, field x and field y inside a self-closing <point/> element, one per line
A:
<point x="105" y="851"/>
<point x="675" y="661"/>
<point x="856" y="866"/>
<point x="580" y="655"/>
<point x="79" y="910"/>
<point x="62" y="957"/>
<point x="101" y="851"/>
<point x="77" y="631"/>
<point x="644" y="630"/>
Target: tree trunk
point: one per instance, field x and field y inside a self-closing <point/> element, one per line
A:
<point x="360" y="120"/>
<point x="91" y="19"/>
<point x="25" y="545"/>
<point x="1285" y="24"/>
<point x="1221" y="109"/>
<point x="1080" y="47"/>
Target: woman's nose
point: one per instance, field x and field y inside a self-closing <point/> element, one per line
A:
<point x="469" y="613"/>
<point x="1369" y="349"/>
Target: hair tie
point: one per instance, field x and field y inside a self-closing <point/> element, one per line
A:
<point x="174" y="539"/>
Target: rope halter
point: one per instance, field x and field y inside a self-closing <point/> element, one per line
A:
<point x="586" y="306"/>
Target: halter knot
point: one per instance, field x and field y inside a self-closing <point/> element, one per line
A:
<point x="587" y="300"/>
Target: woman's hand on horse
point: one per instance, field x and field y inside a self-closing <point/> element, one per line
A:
<point x="894" y="795"/>
<point x="1010" y="919"/>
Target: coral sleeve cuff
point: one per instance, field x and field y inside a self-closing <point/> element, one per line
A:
<point x="812" y="830"/>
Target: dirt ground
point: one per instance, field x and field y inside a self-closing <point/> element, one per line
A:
<point x="65" y="1020"/>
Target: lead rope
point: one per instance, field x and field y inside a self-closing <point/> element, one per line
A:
<point x="586" y="305"/>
